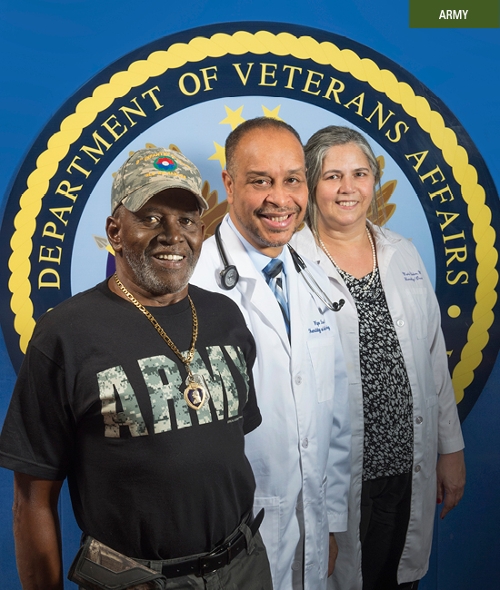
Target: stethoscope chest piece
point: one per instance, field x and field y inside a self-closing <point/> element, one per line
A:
<point x="229" y="277"/>
<point x="229" y="274"/>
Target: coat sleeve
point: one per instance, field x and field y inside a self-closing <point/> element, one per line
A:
<point x="339" y="458"/>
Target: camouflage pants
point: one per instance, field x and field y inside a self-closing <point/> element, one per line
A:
<point x="249" y="570"/>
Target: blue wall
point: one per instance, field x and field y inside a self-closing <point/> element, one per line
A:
<point x="50" y="48"/>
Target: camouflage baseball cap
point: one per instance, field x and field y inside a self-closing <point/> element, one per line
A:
<point x="151" y="170"/>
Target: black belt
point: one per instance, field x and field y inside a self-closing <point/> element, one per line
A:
<point x="219" y="557"/>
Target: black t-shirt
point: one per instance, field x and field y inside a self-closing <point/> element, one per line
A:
<point x="100" y="400"/>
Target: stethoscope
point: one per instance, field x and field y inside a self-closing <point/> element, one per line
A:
<point x="229" y="276"/>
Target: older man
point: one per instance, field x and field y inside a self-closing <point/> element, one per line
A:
<point x="300" y="456"/>
<point x="140" y="391"/>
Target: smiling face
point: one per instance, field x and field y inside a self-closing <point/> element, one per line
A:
<point x="345" y="189"/>
<point x="157" y="247"/>
<point x="266" y="188"/>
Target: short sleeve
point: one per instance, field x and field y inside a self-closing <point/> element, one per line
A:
<point x="37" y="435"/>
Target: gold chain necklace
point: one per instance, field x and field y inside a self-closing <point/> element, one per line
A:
<point x="195" y="393"/>
<point x="374" y="257"/>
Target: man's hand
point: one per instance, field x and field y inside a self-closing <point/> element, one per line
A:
<point x="332" y="554"/>
<point x="37" y="533"/>
<point x="450" y="480"/>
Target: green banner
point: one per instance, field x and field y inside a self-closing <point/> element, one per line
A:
<point x="454" y="14"/>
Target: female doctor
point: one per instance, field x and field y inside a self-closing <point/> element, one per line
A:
<point x="403" y="411"/>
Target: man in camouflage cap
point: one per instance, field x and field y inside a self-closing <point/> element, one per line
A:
<point x="140" y="392"/>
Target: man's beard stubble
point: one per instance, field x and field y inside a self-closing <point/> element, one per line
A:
<point x="150" y="280"/>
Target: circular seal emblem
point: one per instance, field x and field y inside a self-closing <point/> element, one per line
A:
<point x="187" y="91"/>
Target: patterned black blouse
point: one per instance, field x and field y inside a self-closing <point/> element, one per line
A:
<point x="387" y="400"/>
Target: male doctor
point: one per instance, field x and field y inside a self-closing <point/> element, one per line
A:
<point x="300" y="454"/>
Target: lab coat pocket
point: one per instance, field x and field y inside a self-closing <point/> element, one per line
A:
<point x="270" y="528"/>
<point x="417" y="298"/>
<point x="322" y="353"/>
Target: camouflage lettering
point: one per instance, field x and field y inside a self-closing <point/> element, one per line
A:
<point x="219" y="365"/>
<point x="219" y="379"/>
<point x="160" y="392"/>
<point x="113" y="382"/>
<point x="236" y="355"/>
<point x="164" y="382"/>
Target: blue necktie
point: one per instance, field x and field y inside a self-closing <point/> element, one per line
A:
<point x="272" y="272"/>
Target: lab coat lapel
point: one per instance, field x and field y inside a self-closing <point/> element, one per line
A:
<point x="297" y="306"/>
<point x="306" y="246"/>
<point x="252" y="284"/>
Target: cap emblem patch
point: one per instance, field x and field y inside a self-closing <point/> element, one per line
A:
<point x="165" y="164"/>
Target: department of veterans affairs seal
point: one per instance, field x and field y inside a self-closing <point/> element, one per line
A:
<point x="187" y="91"/>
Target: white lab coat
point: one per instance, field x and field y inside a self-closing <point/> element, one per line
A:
<point x="415" y="313"/>
<point x="300" y="454"/>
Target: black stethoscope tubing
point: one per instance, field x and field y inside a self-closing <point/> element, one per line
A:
<point x="229" y="274"/>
